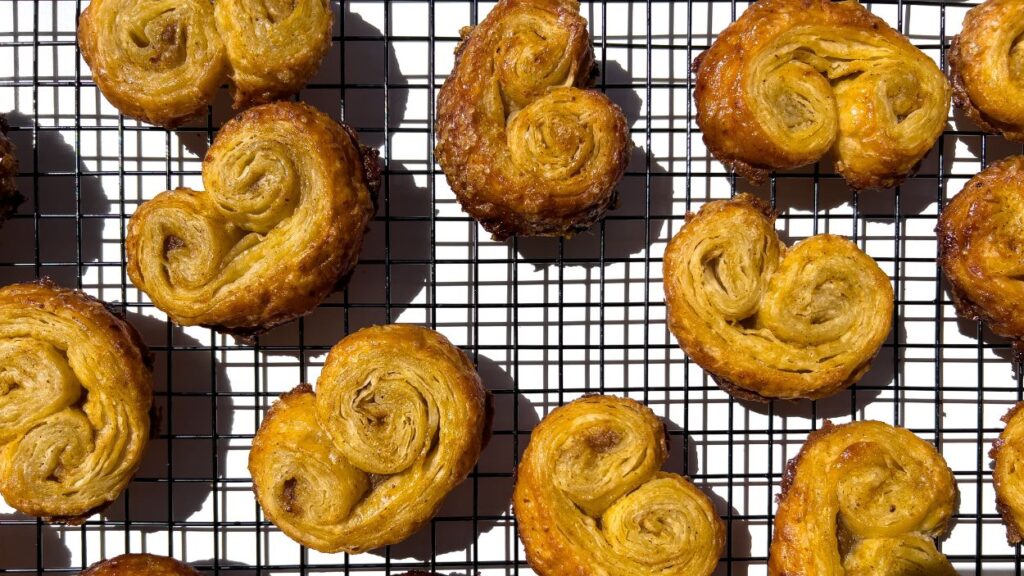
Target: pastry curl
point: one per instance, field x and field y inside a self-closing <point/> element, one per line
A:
<point x="590" y="497"/>
<point x="289" y="195"/>
<point x="767" y="321"/>
<point x="140" y="565"/>
<point x="791" y="80"/>
<point x="162" y="61"/>
<point x="398" y="420"/>
<point x="980" y="251"/>
<point x="10" y="199"/>
<point x="75" y="394"/>
<point x="274" y="46"/>
<point x="1008" y="476"/>
<point x="986" y="62"/>
<point x="525" y="148"/>
<point x="861" y="499"/>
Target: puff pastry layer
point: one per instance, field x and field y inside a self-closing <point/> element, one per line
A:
<point x="864" y="498"/>
<point x="792" y="80"/>
<point x="398" y="420"/>
<point x="767" y="321"/>
<point x="590" y="497"/>
<point x="162" y="61"/>
<point x="10" y="199"/>
<point x="289" y="193"/>
<point x="1008" y="476"/>
<point x="980" y="251"/>
<point x="140" y="565"/>
<point x="986" y="62"/>
<point x="526" y="149"/>
<point x="75" y="394"/>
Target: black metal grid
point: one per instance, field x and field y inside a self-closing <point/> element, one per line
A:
<point x="546" y="320"/>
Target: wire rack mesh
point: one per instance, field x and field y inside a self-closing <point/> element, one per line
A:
<point x="546" y="320"/>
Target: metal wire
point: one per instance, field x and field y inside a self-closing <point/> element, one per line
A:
<point x="579" y="335"/>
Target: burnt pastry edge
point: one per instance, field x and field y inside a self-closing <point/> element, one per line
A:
<point x="962" y="98"/>
<point x="369" y="158"/>
<point x="1014" y="530"/>
<point x="131" y="332"/>
<point x="10" y="198"/>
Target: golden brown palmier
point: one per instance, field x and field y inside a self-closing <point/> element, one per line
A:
<point x="398" y="420"/>
<point x="289" y="193"/>
<point x="861" y="499"/>
<point x="140" y="565"/>
<point x="162" y="61"/>
<point x="158" y="61"/>
<point x="75" y="394"/>
<point x="792" y="80"/>
<point x="986" y="64"/>
<point x="591" y="498"/>
<point x="274" y="47"/>
<point x="1008" y="476"/>
<point x="980" y="250"/>
<point x="10" y="199"/>
<point x="767" y="321"/>
<point x="525" y="148"/>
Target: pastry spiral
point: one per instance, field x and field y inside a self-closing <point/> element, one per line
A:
<point x="986" y="62"/>
<point x="75" y="394"/>
<point x="140" y="565"/>
<point x="162" y="61"/>
<point x="289" y="193"/>
<point x="274" y="47"/>
<point x="159" y="61"/>
<point x="791" y="80"/>
<point x="397" y="421"/>
<point x="10" y="199"/>
<point x="980" y="250"/>
<point x="767" y="321"/>
<point x="861" y="499"/>
<point x="525" y="149"/>
<point x="590" y="497"/>
<point x="1008" y="476"/>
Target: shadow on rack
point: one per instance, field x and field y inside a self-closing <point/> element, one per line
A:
<point x="19" y="550"/>
<point x="634" y="224"/>
<point x="59" y="240"/>
<point x="396" y="256"/>
<point x="491" y="498"/>
<point x="173" y="483"/>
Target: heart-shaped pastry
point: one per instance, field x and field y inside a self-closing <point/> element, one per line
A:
<point x="10" y="199"/>
<point x="162" y="61"/>
<point x="398" y="420"/>
<point x="767" y="321"/>
<point x="591" y="498"/>
<point x="863" y="498"/>
<point x="981" y="249"/>
<point x="793" y="80"/>
<point x="75" y="394"/>
<point x="525" y="147"/>
<point x="986" y="64"/>
<point x="289" y="193"/>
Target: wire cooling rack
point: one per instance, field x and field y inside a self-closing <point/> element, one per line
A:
<point x="546" y="320"/>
